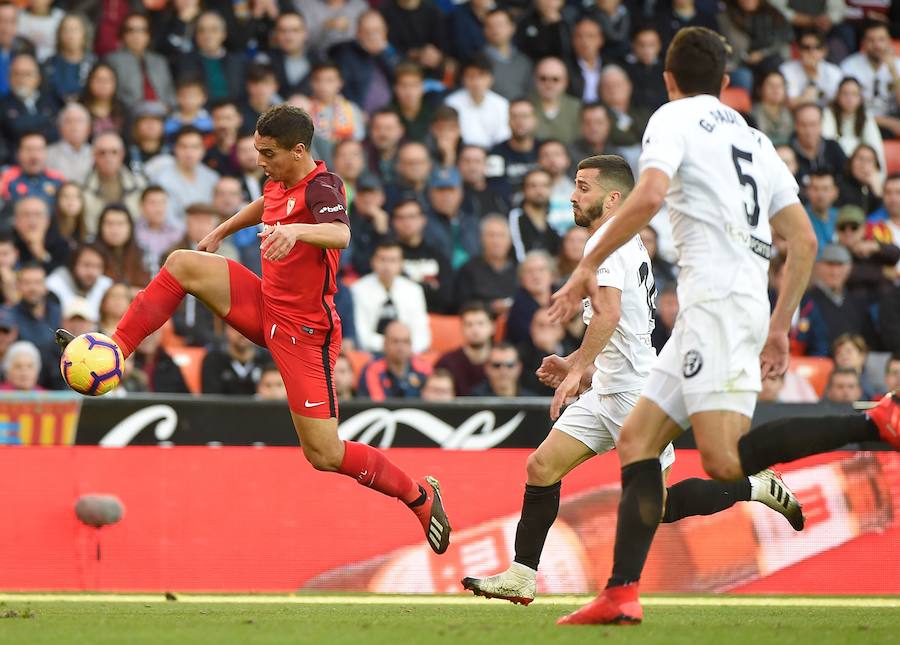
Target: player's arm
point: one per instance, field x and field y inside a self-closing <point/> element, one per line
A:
<point x="635" y="213"/>
<point x="607" y="311"/>
<point x="249" y="215"/>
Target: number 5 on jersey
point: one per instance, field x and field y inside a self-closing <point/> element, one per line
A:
<point x="747" y="180"/>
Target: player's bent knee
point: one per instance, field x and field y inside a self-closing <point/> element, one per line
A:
<point x="722" y="468"/>
<point x="326" y="461"/>
<point x="539" y="471"/>
<point x="179" y="264"/>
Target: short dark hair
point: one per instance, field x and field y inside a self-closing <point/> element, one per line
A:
<point x="644" y="27"/>
<point x="325" y="65"/>
<point x="190" y="80"/>
<point x="478" y="62"/>
<point x="822" y="172"/>
<point x="131" y="16"/>
<point x="80" y="250"/>
<point x="7" y="237"/>
<point x="218" y="104"/>
<point x="385" y="111"/>
<point x="445" y="113"/>
<point x="185" y="131"/>
<point x="533" y="171"/>
<point x="894" y="176"/>
<point x="270" y="366"/>
<point x="552" y="142"/>
<point x="31" y="133"/>
<point x="408" y="68"/>
<point x="806" y="106"/>
<point x="837" y="371"/>
<point x="497" y="10"/>
<point x="614" y="170"/>
<point x="696" y="59"/>
<point x="257" y="72"/>
<point x="287" y="124"/>
<point x="475" y="306"/>
<point x="505" y="346"/>
<point x="893" y="358"/>
<point x="153" y="188"/>
<point x="811" y="33"/>
<point x="31" y="264"/>
<point x="871" y="25"/>
<point x="387" y="243"/>
<point x="403" y="201"/>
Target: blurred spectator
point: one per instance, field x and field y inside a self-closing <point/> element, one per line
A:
<point x="814" y="152"/>
<point x="825" y="17"/>
<point x="115" y="239"/>
<point x="884" y="224"/>
<point x="665" y="314"/>
<point x="81" y="278"/>
<point x="789" y="387"/>
<point x="271" y="384"/>
<point x="288" y="55"/>
<point x="226" y="126"/>
<point x="157" y="370"/>
<point x="511" y="68"/>
<point x="546" y="337"/>
<point x="334" y="117"/>
<point x="110" y="182"/>
<point x="664" y="272"/>
<point x="343" y="304"/>
<point x="200" y="220"/>
<point x="594" y="133"/>
<point x="260" y="93"/>
<point x="187" y="180"/>
<point x="873" y="261"/>
<point x="529" y="223"/>
<point x="490" y="278"/>
<point x="571" y="251"/>
<point x="154" y="232"/>
<point x="759" y="37"/>
<point x="864" y="185"/>
<point x="811" y="79"/>
<point x="847" y="122"/>
<point x="222" y="71"/>
<point x="645" y="69"/>
<point x="78" y="317"/>
<point x="191" y="96"/>
<point x="233" y="367"/>
<point x="892" y="373"/>
<point x="508" y="161"/>
<point x="142" y="74"/>
<point x="684" y="13"/>
<point x="789" y="157"/>
<point x="31" y="177"/>
<point x="877" y="69"/>
<point x="822" y="193"/>
<point x="844" y="313"/>
<point x="411" y="172"/>
<point x="108" y="113"/>
<point x="9" y="258"/>
<point x="478" y="197"/>
<point x="249" y="174"/>
<point x="348" y="164"/>
<point x="11" y="43"/>
<point x="425" y="262"/>
<point x="536" y="274"/>
<point x="368" y="221"/>
<point x="343" y="379"/>
<point x="465" y="31"/>
<point x="452" y="228"/>
<point x="557" y="112"/>
<point x="71" y="156"/>
<point x="385" y="295"/>
<point x="544" y="31"/>
<point x="9" y="331"/>
<point x="417" y="29"/>
<point x="809" y="332"/>
<point x="584" y="74"/>
<point x="382" y="144"/>
<point x="147" y="150"/>
<point x="502" y="369"/>
<point x="889" y="319"/>
<point x="850" y="351"/>
<point x="37" y="315"/>
<point x="616" y="21"/>
<point x="413" y="106"/>
<point x="466" y="364"/>
<point x="628" y="122"/>
<point x="113" y="305"/>
<point x="26" y="108"/>
<point x="843" y="386"/>
<point x="35" y="240"/>
<point x="483" y="114"/>
<point x="21" y="368"/>
<point x="174" y="27"/>
<point x="398" y="374"/>
<point x="438" y="387"/>
<point x="331" y="22"/>
<point x="444" y="136"/>
<point x="367" y="63"/>
<point x="771" y="112"/>
<point x="66" y="71"/>
<point x="553" y="157"/>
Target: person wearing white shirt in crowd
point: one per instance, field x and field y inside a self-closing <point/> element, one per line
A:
<point x="385" y="295"/>
<point x="72" y="154"/>
<point x="38" y="23"/>
<point x="82" y="280"/>
<point x="848" y="122"/>
<point x="811" y="79"/>
<point x="482" y="112"/>
<point x="878" y="71"/>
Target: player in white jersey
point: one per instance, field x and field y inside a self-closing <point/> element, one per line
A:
<point x="723" y="185"/>
<point x="617" y="343"/>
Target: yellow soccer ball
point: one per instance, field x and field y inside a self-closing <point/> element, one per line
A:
<point x="92" y="364"/>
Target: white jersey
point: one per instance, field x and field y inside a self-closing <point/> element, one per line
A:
<point x="624" y="364"/>
<point x="726" y="182"/>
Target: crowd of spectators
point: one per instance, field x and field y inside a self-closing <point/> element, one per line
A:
<point x="126" y="132"/>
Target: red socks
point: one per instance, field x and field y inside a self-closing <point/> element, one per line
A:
<point x="151" y="308"/>
<point x="371" y="468"/>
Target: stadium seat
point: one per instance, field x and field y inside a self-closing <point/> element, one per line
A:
<point x="814" y="369"/>
<point x="892" y="156"/>
<point x="897" y="46"/>
<point x="737" y="98"/>
<point x="446" y="333"/>
<point x="500" y="327"/>
<point x="358" y="360"/>
<point x="190" y="361"/>
<point x="170" y="339"/>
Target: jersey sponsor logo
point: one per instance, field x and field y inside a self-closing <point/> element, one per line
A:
<point x="337" y="208"/>
<point x="290" y="204"/>
<point x="692" y="363"/>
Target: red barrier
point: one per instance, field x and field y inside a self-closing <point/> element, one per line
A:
<point x="260" y="519"/>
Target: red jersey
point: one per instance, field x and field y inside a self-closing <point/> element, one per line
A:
<point x="300" y="287"/>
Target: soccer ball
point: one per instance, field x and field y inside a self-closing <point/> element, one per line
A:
<point x="92" y="364"/>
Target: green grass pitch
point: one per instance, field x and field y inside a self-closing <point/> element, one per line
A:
<point x="370" y="620"/>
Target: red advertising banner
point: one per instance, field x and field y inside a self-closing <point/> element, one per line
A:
<point x="38" y="418"/>
<point x="260" y="519"/>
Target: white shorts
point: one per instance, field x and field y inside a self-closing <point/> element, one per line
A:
<point x="596" y="421"/>
<point x="711" y="362"/>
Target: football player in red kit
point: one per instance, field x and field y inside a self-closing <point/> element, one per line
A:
<point x="291" y="310"/>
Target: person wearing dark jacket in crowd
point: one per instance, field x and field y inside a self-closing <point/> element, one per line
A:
<point x="503" y="369"/>
<point x="491" y="277"/>
<point x="546" y="337"/>
<point x="368" y="63"/>
<point x="466" y="364"/>
<point x="424" y="261"/>
<point x="233" y="368"/>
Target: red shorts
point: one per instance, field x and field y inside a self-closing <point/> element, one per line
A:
<point x="305" y="357"/>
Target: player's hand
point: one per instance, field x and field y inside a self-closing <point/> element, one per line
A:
<point x="211" y="242"/>
<point x="567" y="301"/>
<point x="552" y="371"/>
<point x="773" y="360"/>
<point x="566" y="390"/>
<point x="277" y="241"/>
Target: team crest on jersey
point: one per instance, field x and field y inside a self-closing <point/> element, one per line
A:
<point x="290" y="204"/>
<point x="692" y="363"/>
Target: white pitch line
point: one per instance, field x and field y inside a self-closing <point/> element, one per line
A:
<point x="373" y="599"/>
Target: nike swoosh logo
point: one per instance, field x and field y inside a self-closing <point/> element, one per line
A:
<point x="313" y="405"/>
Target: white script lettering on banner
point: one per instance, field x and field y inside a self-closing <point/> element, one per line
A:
<point x="164" y="416"/>
<point x="475" y="433"/>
